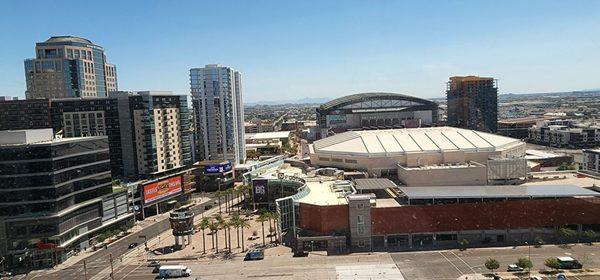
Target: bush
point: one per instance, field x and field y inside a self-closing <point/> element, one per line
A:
<point x="463" y="244"/>
<point x="492" y="264"/>
<point x="552" y="263"/>
<point x="524" y="263"/>
<point x="590" y="235"/>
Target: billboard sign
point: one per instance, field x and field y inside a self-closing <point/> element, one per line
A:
<point x="162" y="189"/>
<point x="218" y="168"/>
<point x="259" y="187"/>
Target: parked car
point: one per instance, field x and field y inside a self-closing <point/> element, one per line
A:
<point x="133" y="245"/>
<point x="154" y="264"/>
<point x="535" y="278"/>
<point x="514" y="267"/>
<point x="254" y="254"/>
<point x="496" y="277"/>
<point x="5" y="274"/>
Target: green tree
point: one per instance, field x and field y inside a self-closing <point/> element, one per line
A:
<point x="566" y="234"/>
<point x="262" y="219"/>
<point x="204" y="224"/>
<point x="524" y="263"/>
<point x="590" y="235"/>
<point x="552" y="263"/>
<point x="492" y="264"/>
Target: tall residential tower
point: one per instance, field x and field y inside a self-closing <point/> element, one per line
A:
<point x="473" y="103"/>
<point x="219" y="113"/>
<point x="67" y="66"/>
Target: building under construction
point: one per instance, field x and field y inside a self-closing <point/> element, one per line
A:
<point x="473" y="103"/>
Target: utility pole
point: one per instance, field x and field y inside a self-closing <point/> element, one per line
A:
<point x="84" y="270"/>
<point x="112" y="276"/>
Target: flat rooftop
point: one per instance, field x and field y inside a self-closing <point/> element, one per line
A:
<point x="496" y="191"/>
<point x="267" y="135"/>
<point x="373" y="184"/>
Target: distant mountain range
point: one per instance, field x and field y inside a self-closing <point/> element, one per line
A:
<point x="502" y="97"/>
<point x="306" y="100"/>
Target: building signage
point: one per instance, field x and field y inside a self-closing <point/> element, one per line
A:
<point x="259" y="187"/>
<point x="162" y="189"/>
<point x="217" y="168"/>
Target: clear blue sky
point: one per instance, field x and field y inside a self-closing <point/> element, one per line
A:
<point x="294" y="49"/>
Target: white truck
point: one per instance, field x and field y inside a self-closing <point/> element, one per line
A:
<point x="169" y="271"/>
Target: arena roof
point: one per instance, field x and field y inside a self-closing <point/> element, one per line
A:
<point x="496" y="191"/>
<point x="412" y="140"/>
<point x="367" y="96"/>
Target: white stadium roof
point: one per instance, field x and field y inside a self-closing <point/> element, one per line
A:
<point x="412" y="140"/>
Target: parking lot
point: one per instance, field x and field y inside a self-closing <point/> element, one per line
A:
<point x="451" y="264"/>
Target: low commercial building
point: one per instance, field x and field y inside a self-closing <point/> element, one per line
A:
<point x="547" y="158"/>
<point x="56" y="195"/>
<point x="267" y="142"/>
<point x="425" y="156"/>
<point x="374" y="214"/>
<point x="519" y="127"/>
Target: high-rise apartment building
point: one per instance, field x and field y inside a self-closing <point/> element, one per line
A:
<point x="155" y="131"/>
<point x="67" y="66"/>
<point x="56" y="195"/>
<point x="219" y="113"/>
<point x="473" y="103"/>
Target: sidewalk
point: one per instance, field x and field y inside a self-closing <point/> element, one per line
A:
<point x="139" y="225"/>
<point x="194" y="250"/>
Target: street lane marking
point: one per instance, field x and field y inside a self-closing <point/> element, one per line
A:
<point x="463" y="262"/>
<point x="131" y="271"/>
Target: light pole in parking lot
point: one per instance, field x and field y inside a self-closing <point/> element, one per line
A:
<point x="528" y="257"/>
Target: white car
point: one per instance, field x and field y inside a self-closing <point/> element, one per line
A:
<point x="535" y="278"/>
<point x="514" y="267"/>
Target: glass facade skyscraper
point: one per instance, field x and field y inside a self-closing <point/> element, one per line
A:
<point x="219" y="113"/>
<point x="67" y="66"/>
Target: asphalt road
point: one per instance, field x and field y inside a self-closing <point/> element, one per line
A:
<point x="101" y="259"/>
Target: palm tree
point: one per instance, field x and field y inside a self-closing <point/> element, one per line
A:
<point x="262" y="219"/>
<point x="214" y="229"/>
<point x="243" y="223"/>
<point x="235" y="221"/>
<point x="275" y="217"/>
<point x="225" y="226"/>
<point x="222" y="224"/>
<point x="204" y="224"/>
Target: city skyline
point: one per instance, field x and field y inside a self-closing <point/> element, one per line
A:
<point x="329" y="50"/>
